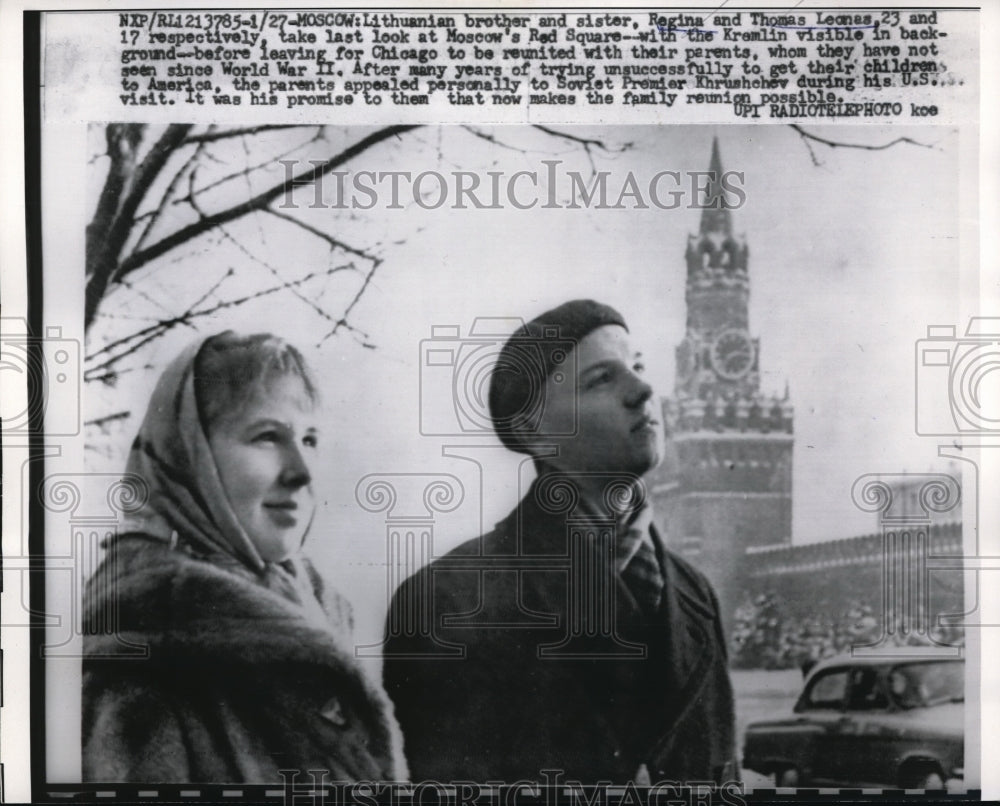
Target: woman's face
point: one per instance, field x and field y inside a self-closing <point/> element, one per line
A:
<point x="264" y="453"/>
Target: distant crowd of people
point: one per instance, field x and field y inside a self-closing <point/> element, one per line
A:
<point x="765" y="636"/>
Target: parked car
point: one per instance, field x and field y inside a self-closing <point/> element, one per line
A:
<point x="867" y="722"/>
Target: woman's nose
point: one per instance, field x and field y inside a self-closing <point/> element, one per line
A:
<point x="295" y="472"/>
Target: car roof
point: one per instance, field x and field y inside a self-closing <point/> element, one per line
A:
<point x="872" y="661"/>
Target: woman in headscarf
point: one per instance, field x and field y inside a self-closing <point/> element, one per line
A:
<point x="249" y="666"/>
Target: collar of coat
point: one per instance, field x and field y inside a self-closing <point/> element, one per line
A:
<point x="536" y="528"/>
<point x="170" y="606"/>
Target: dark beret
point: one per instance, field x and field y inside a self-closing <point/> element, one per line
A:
<point x="532" y="353"/>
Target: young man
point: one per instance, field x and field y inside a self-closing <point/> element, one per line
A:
<point x="587" y="648"/>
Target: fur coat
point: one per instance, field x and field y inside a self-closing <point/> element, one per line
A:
<point x="237" y="684"/>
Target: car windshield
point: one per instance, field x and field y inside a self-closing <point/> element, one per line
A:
<point x="918" y="685"/>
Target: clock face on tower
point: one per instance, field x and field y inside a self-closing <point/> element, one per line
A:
<point x="732" y="354"/>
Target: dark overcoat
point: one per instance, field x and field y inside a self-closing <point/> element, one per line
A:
<point x="238" y="682"/>
<point x="487" y="688"/>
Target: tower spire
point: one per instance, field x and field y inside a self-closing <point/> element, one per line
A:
<point x="715" y="247"/>
<point x="715" y="217"/>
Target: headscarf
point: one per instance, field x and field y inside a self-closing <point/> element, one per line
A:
<point x="187" y="505"/>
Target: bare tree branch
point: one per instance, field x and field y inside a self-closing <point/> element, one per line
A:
<point x="167" y="194"/>
<point x="148" y="297"/>
<point x="274" y="271"/>
<point x="153" y="332"/>
<point x="122" y="143"/>
<point x="249" y="170"/>
<point x="277" y="275"/>
<point x="258" y="202"/>
<point x="120" y="198"/>
<point x="342" y="322"/>
<point x="812" y="152"/>
<point x="320" y="234"/>
<point x="145" y="173"/>
<point x="489" y="138"/>
<point x="213" y="136"/>
<point x="807" y="136"/>
<point x="584" y="141"/>
<point x="243" y="172"/>
<point x="115" y="224"/>
<point x="158" y="323"/>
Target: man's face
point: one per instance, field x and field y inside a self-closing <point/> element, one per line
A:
<point x="617" y="416"/>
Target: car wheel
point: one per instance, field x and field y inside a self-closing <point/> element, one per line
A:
<point x="927" y="778"/>
<point x="787" y="777"/>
